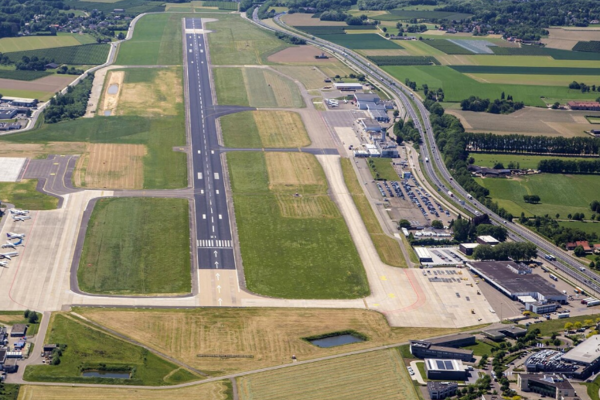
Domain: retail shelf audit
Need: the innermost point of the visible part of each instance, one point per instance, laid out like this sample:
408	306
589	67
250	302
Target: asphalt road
213	228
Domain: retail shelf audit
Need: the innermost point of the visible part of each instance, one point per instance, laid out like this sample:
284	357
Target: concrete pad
10	168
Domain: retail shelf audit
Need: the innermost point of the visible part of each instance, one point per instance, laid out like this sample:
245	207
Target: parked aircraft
16	211
21	218
15	235
9	244
9	256
3	263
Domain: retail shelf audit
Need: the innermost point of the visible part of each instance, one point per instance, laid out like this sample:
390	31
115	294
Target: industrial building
362	99
424	255
445	348
441	390
467	248
553	386
448	369
19	102
517	282
8	113
369	125
348	86
513	332
18	330
489	240
580	362
378	112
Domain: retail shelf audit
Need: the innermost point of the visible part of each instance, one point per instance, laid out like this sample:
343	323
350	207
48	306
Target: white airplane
9	256
3	264
21	218
16	211
9	244
15	235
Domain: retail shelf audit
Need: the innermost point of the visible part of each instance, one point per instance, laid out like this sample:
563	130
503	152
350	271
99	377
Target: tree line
531	198
502	106
558	234
556	166
517	251
70	105
516	143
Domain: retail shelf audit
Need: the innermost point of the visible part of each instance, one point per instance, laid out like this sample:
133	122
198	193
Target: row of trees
558	234
531	198
71	104
468	230
32	64
290	39
518	251
595	206
558	166
516	143
582	86
503	106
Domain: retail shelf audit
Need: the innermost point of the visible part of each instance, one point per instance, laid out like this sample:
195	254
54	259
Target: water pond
336	340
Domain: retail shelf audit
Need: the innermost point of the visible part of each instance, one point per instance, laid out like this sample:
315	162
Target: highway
565	263
213	228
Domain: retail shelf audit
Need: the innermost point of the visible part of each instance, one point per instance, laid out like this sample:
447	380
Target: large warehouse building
441	370
446	347
580	362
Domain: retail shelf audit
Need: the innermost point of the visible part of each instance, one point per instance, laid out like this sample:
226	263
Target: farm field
88	54
163	167
256	87
542	80
277	129
310	77
506	70
90	348
41	89
294	242
10	44
566	39
388	249
302	19
533	61
132	6
24	195
448	47
268	334
525	161
126	250
114	166
404	60
156	41
374	375
458	86
527	121
17	75
560	194
220	390
238	42
589	227
361	41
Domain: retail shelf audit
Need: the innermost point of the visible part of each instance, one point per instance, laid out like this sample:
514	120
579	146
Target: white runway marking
214	243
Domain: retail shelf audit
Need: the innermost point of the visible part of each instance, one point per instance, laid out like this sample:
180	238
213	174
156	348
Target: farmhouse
51	66
584	105
348	86
583	243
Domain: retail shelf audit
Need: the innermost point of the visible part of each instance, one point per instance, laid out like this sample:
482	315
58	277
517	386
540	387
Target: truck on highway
549	257
592	303
469	197
554	278
426	159
450	194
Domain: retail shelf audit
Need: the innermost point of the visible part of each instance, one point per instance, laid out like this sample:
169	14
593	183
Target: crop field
541	80
374	375
458	86
132	6
23	195
294	242
277	129
22	75
208	391
114	166
566	39
41	89
23	43
591	46
593	119
534	61
404	60
310	77
255	87
525	161
447	46
156	41
388	249
492	69
271	335
126	250
221	5
88	54
560	194
589	227
163	168
322	30
302	19
362	41
408	14
237	42
91	348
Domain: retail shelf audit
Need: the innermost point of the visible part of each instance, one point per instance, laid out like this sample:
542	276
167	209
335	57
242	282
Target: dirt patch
289	170
113	166
300	54
281	129
158	98
50	84
565	39
8	149
112	89
300	19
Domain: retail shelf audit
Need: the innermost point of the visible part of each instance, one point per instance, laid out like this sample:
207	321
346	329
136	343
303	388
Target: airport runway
213	228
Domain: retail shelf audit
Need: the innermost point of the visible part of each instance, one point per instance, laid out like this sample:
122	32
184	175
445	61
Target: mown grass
593	388
163	168
24	195
480	348
137	246
23	43
589	227
557	325
291	257
230	86
90	54
9	391
525	161
91	348
383	167
388	249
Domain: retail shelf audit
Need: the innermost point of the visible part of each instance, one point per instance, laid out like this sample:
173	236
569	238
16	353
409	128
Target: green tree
437	224
579	252
404	223
33	317
577	325
568	326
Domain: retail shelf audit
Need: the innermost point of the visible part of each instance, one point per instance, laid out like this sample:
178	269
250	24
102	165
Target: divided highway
565	263
213	228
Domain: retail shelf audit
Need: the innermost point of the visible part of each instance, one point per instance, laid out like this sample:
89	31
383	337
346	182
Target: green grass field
130	245
557	325
238	42
447	47
525	161
23	43
458	86
24	195
480	348
163	168
91	348
91	54
562	194
589	227
508	70
362	41
294	256
22	75
383	167
156	41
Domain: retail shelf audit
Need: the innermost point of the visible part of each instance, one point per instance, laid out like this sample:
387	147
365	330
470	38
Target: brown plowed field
111	166
50	84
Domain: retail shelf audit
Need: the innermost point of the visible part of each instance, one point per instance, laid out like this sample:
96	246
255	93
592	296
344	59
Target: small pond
106	374
113	89
106	113
336	340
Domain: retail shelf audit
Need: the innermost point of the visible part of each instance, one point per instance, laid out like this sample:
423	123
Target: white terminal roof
527	299
355	85
586	352
422	252
488	239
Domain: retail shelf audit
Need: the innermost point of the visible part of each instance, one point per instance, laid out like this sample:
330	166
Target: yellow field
565	39
206	391
36	42
8	149
374	375
271	336
113	166
281	129
335	69
282	89
159	97
310	77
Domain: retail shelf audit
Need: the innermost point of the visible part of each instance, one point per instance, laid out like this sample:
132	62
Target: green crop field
458	86
238	42
22	75
412	14
163	168
362	41
156	41
404	60
221	5
559	194
126	249
107	6
322	30
556	54
589	227
447	47
42	42
93	349
529	61
525	161
591	46
90	54
23	194
492	69
292	246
